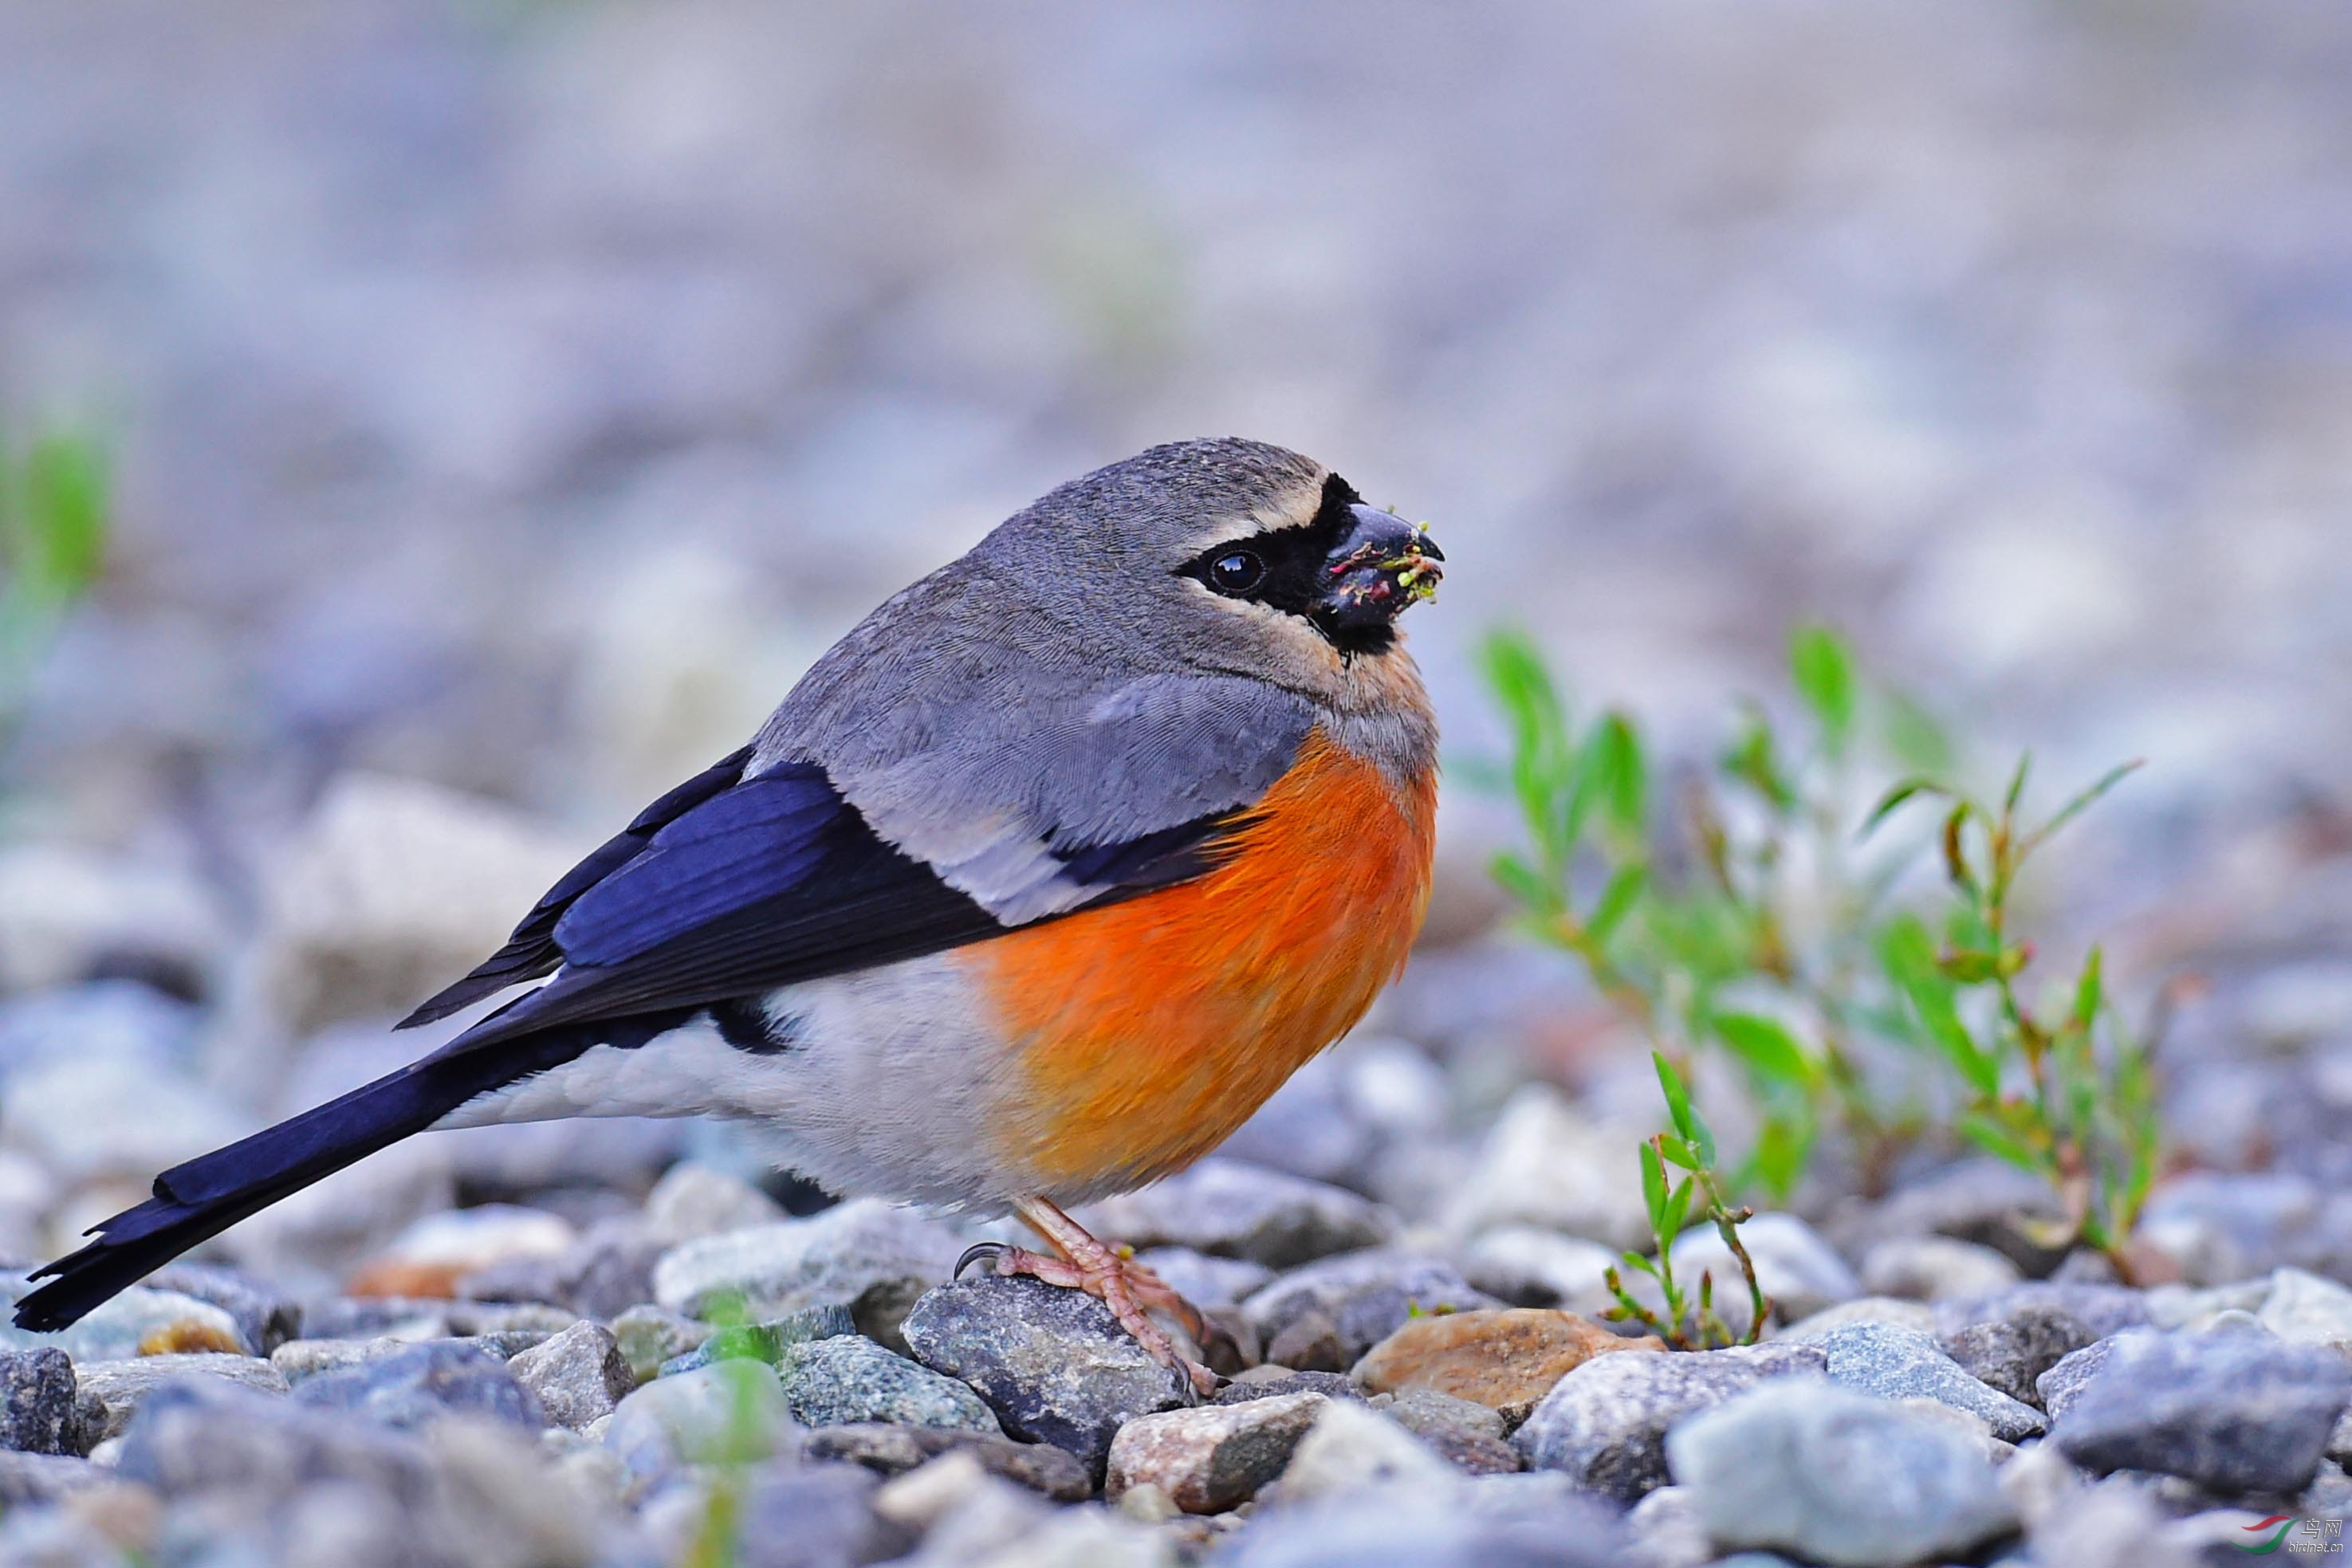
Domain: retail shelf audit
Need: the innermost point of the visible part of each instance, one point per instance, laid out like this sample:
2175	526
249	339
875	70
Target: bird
1038	884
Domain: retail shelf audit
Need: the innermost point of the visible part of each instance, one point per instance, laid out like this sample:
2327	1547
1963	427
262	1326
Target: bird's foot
1132	1290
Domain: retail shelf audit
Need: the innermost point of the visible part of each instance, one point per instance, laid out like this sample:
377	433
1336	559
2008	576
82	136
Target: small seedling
1751	923
1687	1323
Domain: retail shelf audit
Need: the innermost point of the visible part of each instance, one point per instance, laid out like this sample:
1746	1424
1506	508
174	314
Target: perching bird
1035	887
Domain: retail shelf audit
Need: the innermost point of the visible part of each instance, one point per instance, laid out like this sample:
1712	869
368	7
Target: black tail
199	1199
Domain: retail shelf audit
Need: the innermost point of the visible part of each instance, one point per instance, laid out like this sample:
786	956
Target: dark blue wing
532	950
754	885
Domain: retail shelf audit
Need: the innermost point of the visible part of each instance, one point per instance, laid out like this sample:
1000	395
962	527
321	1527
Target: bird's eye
1235	571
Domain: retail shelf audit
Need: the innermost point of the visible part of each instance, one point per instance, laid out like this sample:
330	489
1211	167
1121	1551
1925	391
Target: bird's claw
992	1251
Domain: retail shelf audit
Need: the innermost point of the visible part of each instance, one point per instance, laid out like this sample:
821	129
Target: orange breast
1147	1032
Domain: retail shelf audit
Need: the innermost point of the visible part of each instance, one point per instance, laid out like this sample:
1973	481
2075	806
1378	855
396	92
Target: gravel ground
509	400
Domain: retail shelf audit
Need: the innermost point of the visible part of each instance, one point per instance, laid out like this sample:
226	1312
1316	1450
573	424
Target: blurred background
501	403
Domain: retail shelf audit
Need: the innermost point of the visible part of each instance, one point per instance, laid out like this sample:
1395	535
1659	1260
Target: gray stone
2222	1226
577	1376
120	1387
1309	1343
1914	1315
1351	1450
1276	1382
2306	1308
1668	1532
1204	1280
1528	1267
1899	1364
730	1410
769	1341
1547	1164
37	1403
197	1437
2103	1309
1053	1364
1934	1268
892	1450
2011	1353
1211	1459
650	1336
2057	1389
695	1200
1465	1434
856	1250
2241	1413
422	1384
390	887
1229	1209
606	1271
1605	1423
265	1316
846	1378
1836	1477
1427	1411
1416	1530
815	1516
1980	1199
1366	1296
500	1502
28	1480
300	1358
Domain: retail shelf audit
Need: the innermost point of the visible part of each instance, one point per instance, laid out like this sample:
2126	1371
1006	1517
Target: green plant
1686	1322
718	1537
56	507
2073	1101
1749	922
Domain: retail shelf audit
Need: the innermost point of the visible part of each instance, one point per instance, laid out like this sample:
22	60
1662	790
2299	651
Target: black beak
1382	565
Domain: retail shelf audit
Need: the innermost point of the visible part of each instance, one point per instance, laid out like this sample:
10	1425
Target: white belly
886	1088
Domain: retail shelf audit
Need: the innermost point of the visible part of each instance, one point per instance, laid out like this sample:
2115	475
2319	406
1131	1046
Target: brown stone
1211	1457
1506	1359
182	1336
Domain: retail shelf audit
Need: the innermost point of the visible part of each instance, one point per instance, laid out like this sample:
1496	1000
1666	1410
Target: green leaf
1617	901
1896	799
1913	739
1540	764
2082	803
1654	1188
1822	668
2088	991
1679	1152
1956	849
1969	966
1678	1105
1618	775
1996	1140
1524	883
2016	791
1635	1260
1702	1139
1908	956
56	534
1767	1047
1754	761
1782	1144
1677	1211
